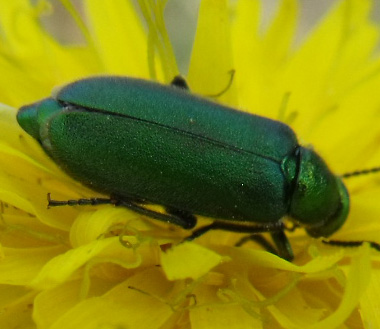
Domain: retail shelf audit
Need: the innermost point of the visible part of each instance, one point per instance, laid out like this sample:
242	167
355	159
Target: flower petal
20	266
123	306
121	45
211	59
369	303
62	267
188	260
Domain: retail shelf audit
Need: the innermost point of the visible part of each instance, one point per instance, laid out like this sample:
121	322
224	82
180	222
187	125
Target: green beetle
142	142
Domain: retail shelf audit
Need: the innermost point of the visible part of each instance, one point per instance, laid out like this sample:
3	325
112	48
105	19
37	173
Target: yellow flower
107	267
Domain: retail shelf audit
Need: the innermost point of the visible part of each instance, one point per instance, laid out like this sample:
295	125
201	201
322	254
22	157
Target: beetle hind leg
78	202
176	217
188	218
173	216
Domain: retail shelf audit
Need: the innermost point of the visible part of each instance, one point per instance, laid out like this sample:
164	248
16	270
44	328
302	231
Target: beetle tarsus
174	216
78	202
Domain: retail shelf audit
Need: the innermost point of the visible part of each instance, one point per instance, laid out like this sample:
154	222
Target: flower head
109	267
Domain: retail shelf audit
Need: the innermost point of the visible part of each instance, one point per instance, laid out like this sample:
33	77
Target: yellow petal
221	316
357	282
121	45
19	266
369	302
188	260
18	312
65	297
211	59
260	60
62	267
122	306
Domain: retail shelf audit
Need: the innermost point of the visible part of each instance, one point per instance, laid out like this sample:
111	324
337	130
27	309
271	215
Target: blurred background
181	19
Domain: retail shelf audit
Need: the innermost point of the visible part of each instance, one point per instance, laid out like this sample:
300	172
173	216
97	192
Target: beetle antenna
232	74
361	172
349	244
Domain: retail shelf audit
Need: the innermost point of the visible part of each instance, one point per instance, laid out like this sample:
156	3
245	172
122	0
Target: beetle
142	142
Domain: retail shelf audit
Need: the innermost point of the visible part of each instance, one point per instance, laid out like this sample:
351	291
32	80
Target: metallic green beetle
142	142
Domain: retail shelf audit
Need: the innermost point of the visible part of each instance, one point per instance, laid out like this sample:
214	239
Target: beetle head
320	201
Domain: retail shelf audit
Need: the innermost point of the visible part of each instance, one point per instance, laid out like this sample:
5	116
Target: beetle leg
180	82
284	249
240	228
283	245
187	217
258	238
177	218
78	202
